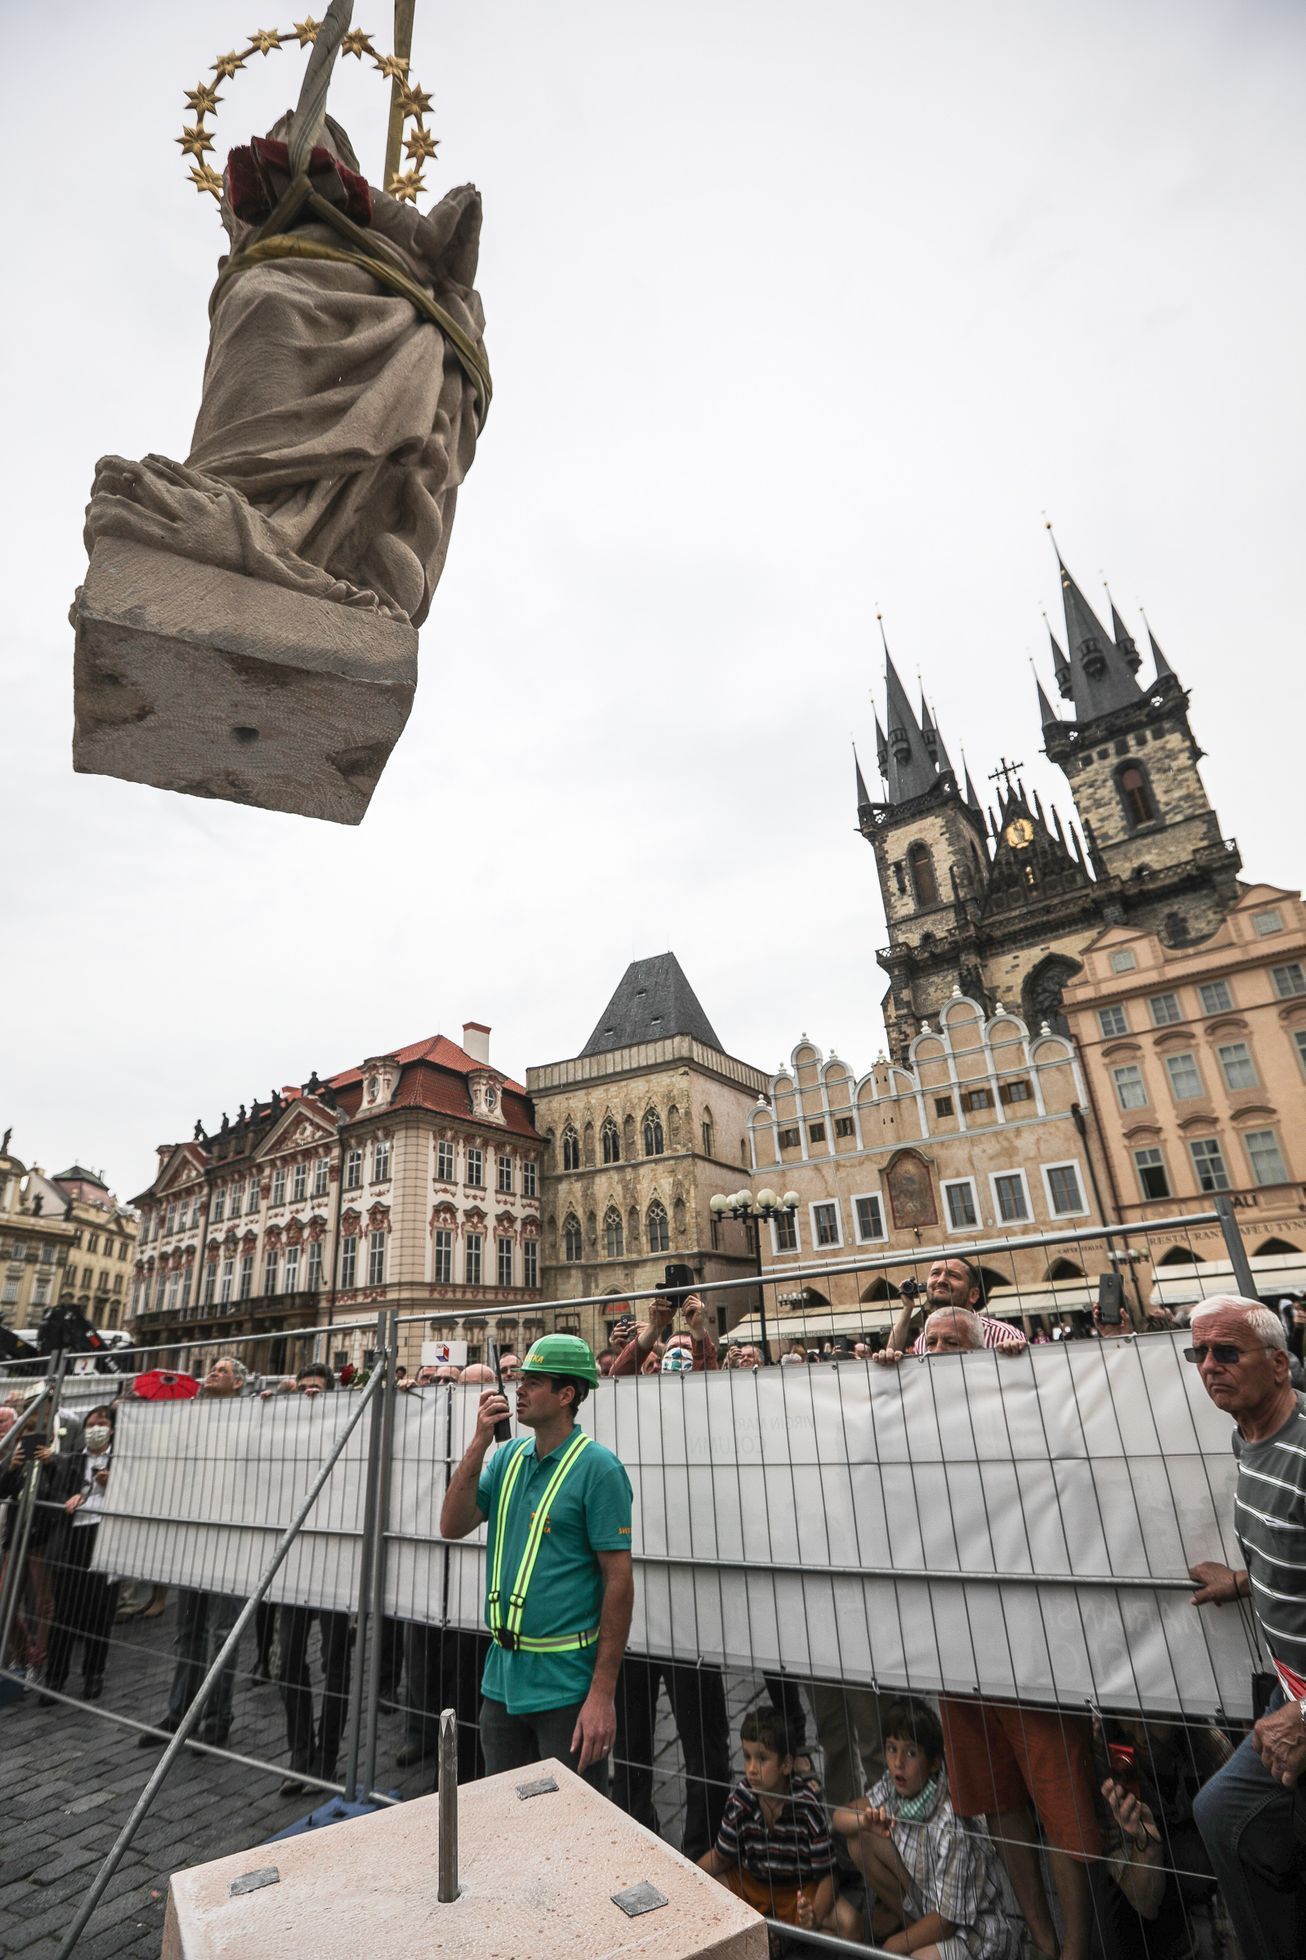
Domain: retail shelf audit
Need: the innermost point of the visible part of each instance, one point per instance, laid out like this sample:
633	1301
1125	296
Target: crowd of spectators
932	1826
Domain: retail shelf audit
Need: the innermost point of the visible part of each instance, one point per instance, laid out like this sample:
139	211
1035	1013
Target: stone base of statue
206	681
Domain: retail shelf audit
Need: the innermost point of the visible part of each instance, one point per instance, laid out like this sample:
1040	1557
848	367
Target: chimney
476	1040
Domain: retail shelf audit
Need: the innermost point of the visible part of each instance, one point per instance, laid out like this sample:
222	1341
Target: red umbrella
162	1385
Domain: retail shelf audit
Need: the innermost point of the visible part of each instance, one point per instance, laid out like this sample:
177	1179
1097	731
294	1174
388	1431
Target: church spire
1100	676
1046	712
1124	639
1060	665
911	768
863	797
968	788
1164	671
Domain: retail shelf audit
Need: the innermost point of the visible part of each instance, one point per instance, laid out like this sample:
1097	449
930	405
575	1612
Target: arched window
611	1139
1135	794
570	1149
652	1134
920	869
709	1139
659	1237
571	1246
614	1239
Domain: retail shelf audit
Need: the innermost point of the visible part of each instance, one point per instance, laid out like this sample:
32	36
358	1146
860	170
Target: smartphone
678	1282
502	1428
1110	1299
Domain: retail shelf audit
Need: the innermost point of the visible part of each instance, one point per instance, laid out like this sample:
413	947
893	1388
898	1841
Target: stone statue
247	626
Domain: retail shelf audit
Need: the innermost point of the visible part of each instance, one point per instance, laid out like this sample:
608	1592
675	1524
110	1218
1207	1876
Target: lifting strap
506	1629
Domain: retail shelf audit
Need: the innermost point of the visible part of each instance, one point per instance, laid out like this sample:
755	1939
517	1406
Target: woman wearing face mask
84	1601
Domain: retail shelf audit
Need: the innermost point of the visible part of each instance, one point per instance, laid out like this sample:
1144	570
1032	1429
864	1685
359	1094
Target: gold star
356	42
203	99
205	178
194	140
393	66
414	102
420	144
265	40
406	186
307	30
228	65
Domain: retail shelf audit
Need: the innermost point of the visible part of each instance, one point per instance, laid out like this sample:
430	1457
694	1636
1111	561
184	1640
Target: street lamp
752	1210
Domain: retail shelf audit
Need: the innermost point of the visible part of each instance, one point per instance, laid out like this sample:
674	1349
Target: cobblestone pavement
71	1777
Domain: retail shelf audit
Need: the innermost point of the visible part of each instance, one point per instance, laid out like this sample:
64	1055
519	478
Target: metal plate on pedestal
639	1898
541	1787
254	1881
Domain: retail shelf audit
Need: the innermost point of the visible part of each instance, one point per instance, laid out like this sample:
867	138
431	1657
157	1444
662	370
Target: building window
1165	1010
571	1239
816	1132
1265	1157
1289	981
505	1262
443	1256
349	1261
1065	1194
943	1105
380	1163
290	1282
920	869
1208	1162
1185	1077
784	1232
1131	1090
1135	794
1112	1020
321	1177
869	1213
226	1281
1153	1180
614	1238
825	1226
1010	1198
1017	1091
570	1150
1299	1043
1215	997
444	1161
185	1288
1237	1064
1123	960
844	1126
472	1246
530	1259
9	1297
251	1198
707	1136
313	1273
219	1210
503	1171
1267	922
278	1186
963	1204
659	1235
790	1139
270	1261
610	1139
475	1166
975	1099
299	1184
652	1134
376	1258
530	1178
245	1284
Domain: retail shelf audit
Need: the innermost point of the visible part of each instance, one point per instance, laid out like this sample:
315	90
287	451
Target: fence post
1233	1241
365	1566
16	1563
378	1523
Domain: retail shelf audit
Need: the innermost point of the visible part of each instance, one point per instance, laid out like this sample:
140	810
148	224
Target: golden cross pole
403	49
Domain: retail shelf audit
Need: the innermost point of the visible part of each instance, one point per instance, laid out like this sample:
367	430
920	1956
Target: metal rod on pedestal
448	1844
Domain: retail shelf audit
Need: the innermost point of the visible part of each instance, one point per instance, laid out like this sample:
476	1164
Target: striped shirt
796	1846
997	1333
1270	1525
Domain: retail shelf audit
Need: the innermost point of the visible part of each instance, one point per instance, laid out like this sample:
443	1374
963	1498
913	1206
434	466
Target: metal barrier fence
819	1540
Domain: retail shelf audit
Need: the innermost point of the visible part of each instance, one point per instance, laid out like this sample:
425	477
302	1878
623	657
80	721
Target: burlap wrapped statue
247	628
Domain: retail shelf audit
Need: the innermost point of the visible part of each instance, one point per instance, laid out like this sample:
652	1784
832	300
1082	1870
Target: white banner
1009	1526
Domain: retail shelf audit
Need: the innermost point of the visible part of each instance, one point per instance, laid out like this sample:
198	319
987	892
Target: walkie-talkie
503	1428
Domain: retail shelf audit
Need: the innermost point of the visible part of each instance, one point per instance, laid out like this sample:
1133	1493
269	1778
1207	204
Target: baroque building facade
641	1129
411	1181
63	1240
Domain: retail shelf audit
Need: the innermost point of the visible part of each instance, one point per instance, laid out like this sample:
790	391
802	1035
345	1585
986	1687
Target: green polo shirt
591	1513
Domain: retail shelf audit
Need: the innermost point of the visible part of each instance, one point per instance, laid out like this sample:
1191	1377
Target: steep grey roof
911	766
653	1000
1101	677
78	1174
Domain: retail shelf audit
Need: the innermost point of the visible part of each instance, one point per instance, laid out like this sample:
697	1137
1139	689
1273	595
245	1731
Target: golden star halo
414	103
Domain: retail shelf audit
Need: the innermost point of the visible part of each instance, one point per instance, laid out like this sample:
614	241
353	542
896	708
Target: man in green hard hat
559	1578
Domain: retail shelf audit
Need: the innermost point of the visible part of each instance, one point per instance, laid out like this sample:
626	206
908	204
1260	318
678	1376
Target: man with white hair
1245	1812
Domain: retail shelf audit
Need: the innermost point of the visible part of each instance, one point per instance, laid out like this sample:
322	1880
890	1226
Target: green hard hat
562	1354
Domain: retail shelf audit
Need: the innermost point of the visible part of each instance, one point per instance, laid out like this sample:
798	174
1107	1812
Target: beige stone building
1195	1057
642	1128
411	1181
979	1138
64	1239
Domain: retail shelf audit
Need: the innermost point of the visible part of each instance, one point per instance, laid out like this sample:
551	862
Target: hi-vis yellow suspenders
506	1629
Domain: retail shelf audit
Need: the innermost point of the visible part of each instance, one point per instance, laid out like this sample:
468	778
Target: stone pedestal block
536	1877
215	684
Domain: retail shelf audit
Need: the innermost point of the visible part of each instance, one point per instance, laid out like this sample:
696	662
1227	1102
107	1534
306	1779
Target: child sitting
773	1849
946	1883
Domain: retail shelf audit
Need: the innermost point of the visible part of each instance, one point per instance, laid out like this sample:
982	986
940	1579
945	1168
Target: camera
911	1289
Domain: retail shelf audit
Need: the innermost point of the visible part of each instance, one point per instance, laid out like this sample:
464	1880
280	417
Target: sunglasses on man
1224	1352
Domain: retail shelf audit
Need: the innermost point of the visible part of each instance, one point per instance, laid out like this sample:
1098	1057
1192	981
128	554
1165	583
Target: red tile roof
437	1049
433	1076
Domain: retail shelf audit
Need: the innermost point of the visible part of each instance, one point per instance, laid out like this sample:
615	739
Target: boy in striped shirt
773	1849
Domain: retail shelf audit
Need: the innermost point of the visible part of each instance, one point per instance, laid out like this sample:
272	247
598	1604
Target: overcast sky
793	313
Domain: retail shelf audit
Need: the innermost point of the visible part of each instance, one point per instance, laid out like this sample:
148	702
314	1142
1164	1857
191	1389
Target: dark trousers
517	1741
84	1605
698	1704
318	1751
444	1669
